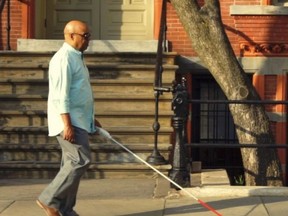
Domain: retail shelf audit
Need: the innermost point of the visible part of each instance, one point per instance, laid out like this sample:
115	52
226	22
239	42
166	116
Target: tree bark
206	31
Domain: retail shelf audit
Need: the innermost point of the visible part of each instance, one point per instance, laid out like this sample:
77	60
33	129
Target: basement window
280	2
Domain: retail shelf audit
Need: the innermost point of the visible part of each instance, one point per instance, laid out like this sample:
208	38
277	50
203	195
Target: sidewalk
147	197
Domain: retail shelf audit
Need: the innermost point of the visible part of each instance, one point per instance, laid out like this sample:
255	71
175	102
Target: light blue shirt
69	91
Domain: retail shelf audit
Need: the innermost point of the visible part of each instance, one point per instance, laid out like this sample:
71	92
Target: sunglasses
86	35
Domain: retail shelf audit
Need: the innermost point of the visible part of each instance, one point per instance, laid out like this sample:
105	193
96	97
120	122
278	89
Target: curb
235	191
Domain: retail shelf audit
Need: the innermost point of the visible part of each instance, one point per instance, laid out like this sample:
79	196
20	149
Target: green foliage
239	180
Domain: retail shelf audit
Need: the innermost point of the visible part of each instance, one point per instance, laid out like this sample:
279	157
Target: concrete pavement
147	197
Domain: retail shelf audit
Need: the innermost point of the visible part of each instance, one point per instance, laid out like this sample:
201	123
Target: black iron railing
8	28
180	171
156	157
180	168
2	4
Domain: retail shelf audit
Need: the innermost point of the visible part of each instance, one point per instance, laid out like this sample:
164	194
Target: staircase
124	104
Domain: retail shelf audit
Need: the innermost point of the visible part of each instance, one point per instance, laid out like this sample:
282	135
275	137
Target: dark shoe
48	210
72	213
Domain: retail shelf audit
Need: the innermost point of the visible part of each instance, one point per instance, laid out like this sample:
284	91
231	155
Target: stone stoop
211	178
124	102
105	46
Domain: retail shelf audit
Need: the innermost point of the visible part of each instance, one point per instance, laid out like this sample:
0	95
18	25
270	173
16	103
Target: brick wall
180	43
15	23
249	35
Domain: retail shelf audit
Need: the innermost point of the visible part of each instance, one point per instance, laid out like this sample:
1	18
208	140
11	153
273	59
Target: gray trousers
62	191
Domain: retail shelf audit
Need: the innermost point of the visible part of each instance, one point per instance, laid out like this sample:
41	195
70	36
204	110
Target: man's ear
71	36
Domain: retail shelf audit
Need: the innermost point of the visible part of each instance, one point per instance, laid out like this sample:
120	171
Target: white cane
107	135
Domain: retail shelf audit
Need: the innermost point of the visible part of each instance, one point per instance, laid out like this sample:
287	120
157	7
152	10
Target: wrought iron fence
180	173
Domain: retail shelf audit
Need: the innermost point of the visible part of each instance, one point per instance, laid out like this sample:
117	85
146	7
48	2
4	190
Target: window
280	2
213	124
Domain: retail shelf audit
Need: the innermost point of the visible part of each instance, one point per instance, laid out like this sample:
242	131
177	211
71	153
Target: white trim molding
242	10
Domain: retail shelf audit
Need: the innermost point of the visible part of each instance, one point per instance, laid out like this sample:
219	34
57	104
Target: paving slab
116	207
146	197
92	207
276	205
233	191
224	206
23	208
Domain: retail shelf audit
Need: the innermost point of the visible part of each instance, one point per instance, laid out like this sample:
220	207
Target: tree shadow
261	179
242	206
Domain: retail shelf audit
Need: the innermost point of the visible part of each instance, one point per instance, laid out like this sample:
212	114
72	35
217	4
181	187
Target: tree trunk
206	32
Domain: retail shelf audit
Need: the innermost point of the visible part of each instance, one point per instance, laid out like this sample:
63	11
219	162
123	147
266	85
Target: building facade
257	30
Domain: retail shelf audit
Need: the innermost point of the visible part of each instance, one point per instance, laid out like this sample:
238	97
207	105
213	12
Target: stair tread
96	97
98	81
93	146
96	165
96	65
132	128
21	65
107	113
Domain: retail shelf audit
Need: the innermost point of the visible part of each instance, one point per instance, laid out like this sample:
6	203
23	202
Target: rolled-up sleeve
63	86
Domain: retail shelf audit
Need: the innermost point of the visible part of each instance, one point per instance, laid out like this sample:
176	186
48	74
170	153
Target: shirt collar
70	48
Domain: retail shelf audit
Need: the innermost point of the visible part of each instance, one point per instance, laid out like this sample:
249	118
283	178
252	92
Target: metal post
156	157
286	158
2	4
8	26
179	172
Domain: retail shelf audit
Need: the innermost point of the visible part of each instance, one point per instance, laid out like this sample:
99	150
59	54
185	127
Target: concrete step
44	170
128	134
103	46
11	71
103	104
41	59
105	152
102	73
100	89
38	118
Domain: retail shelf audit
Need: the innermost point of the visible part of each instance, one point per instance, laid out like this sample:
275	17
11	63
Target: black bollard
179	172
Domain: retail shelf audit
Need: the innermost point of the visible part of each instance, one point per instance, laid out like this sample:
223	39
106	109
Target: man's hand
68	133
97	123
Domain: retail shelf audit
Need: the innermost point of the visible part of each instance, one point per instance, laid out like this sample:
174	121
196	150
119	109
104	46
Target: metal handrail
156	157
2	4
230	145
284	102
8	47
159	58
8	28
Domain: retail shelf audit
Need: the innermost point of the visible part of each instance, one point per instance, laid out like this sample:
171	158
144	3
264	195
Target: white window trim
258	10
276	2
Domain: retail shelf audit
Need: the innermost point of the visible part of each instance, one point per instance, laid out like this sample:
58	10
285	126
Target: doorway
108	19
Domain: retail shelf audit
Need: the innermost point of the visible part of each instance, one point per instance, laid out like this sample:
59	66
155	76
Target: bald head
74	26
74	34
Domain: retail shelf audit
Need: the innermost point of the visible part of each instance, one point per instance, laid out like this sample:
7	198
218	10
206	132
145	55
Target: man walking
70	119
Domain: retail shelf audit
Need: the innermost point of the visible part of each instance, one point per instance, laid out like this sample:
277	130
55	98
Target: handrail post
180	172
286	161
156	157
2	4
8	47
